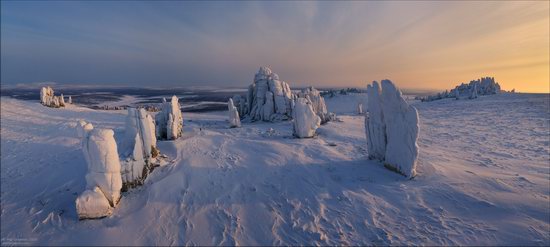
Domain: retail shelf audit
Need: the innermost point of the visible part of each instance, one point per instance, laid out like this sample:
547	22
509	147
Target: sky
418	45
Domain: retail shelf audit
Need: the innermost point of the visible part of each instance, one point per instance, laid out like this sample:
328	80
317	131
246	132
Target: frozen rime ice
48	98
169	120
392	128
103	174
483	86
305	119
268	98
234	120
318	103
137	147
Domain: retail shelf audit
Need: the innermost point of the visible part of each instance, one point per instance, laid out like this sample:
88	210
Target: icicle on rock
392	128
268	98
306	121
103	178
169	120
138	148
234	120
318	104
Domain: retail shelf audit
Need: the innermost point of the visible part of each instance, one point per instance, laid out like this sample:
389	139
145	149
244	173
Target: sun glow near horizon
418	45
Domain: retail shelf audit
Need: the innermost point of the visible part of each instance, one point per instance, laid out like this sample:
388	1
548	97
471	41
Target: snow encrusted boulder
392	128
169	120
103	171
138	148
234	119
48	98
268	98
306	121
318	103
93	204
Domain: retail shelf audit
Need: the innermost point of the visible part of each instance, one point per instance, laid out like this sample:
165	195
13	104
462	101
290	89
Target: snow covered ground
483	179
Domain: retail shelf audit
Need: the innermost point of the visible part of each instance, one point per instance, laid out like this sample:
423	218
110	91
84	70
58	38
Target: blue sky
146	43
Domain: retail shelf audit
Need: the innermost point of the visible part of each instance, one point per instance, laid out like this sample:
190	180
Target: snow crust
256	185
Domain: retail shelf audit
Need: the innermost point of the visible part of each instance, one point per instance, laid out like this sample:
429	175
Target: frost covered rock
241	105
70	100
318	103
268	98
392	128
103	178
305	119
374	123
360	108
482	86
234	119
93	204
169	120
138	147
48	98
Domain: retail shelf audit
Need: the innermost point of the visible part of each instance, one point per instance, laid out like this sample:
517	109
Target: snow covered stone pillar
103	178
360	108
392	128
138	147
374	123
70	100
234	119
306	121
169	121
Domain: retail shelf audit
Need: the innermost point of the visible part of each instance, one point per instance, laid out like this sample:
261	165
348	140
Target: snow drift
305	119
169	120
392	128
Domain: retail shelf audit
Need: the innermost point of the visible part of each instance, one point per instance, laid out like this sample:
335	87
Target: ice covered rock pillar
306	121
234	119
318	103
268	99
138	147
169	120
103	178
392	128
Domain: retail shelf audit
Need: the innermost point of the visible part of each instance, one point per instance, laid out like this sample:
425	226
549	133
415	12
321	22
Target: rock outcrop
318	104
268	98
48	98
306	120
169	120
483	86
392	128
